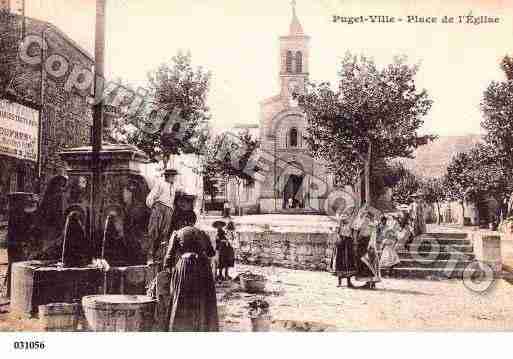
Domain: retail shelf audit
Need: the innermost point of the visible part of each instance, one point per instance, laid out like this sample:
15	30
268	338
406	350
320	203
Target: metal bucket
59	317
119	313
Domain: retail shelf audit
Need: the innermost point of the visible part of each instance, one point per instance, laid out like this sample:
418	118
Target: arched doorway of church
293	178
292	192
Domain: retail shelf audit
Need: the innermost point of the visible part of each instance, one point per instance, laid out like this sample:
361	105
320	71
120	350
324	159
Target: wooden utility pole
97	132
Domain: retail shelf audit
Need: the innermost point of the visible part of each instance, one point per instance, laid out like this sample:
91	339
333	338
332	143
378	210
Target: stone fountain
124	190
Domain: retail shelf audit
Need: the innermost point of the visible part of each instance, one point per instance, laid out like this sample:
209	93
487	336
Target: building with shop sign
38	116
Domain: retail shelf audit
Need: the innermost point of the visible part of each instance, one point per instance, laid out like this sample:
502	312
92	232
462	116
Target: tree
404	184
228	155
373	114
459	180
178	88
497	109
474	174
434	193
507	67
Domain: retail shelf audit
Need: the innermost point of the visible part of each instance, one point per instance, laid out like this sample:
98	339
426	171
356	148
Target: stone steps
427	273
446	235
436	264
442	241
435	256
429	247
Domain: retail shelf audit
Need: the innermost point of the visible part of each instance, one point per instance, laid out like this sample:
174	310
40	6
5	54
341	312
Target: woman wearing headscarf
343	258
193	302
49	223
367	260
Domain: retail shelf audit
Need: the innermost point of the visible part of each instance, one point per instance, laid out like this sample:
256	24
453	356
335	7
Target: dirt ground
310	301
397	304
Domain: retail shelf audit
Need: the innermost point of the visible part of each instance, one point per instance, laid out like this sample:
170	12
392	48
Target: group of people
191	260
368	244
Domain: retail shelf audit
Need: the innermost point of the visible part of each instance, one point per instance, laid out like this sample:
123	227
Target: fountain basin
36	283
119	313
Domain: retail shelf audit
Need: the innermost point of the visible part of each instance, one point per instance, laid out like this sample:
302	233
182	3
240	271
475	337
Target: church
294	181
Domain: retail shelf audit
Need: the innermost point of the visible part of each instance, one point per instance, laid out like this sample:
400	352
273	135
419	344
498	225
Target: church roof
295	26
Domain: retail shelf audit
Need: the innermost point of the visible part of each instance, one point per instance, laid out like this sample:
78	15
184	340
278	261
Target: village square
330	204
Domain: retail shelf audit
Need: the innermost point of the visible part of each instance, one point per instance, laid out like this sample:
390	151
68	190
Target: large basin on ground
119	313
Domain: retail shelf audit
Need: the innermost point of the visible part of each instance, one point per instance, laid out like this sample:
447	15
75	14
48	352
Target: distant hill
432	159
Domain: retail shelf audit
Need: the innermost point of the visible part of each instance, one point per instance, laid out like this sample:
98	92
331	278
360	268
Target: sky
238	41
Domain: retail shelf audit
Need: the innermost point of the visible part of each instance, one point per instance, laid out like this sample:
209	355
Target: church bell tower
294	55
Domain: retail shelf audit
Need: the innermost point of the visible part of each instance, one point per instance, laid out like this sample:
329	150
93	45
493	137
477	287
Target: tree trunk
165	160
367	175
438	214
462	212
238	196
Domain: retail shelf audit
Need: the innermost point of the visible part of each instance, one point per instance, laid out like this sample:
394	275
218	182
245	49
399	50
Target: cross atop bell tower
294	56
295	26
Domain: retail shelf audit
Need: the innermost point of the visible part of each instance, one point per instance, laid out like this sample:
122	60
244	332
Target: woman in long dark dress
48	231
367	260
193	302
343	259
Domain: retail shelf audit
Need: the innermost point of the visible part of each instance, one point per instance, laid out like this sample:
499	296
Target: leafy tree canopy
369	105
175	87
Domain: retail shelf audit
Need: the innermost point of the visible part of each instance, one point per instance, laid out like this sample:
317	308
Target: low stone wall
308	251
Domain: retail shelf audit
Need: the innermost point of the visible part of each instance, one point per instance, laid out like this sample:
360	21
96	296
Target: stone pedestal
507	251
123	191
487	249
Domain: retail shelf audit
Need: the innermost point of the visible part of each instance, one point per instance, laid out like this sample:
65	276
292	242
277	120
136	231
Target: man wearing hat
161	201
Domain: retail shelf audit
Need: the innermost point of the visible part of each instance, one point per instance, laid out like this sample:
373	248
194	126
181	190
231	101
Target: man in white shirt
161	201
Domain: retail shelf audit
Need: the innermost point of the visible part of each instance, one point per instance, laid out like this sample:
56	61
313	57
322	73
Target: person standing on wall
161	201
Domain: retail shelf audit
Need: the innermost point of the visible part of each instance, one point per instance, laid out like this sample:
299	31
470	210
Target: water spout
76	250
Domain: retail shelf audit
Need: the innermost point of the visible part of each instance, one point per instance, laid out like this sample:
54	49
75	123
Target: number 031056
29	345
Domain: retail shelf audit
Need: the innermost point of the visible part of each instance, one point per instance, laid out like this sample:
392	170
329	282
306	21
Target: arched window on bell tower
288	62
299	62
293	137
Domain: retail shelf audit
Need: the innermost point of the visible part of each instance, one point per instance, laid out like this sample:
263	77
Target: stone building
294	177
61	117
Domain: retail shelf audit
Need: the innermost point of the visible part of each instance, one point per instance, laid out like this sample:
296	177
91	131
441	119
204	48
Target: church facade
294	181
